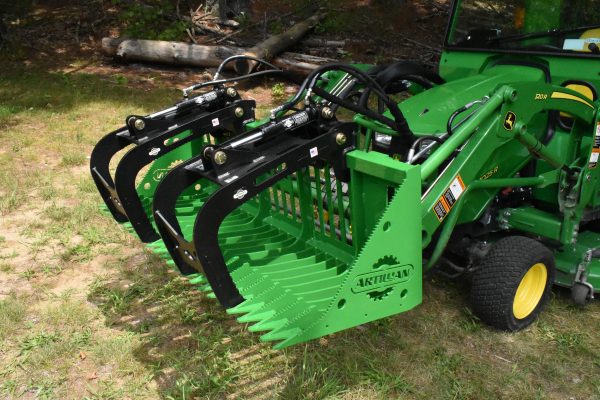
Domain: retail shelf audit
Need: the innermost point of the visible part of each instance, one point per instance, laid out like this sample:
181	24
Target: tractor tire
513	283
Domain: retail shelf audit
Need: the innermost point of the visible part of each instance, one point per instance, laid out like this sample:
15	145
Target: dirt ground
87	312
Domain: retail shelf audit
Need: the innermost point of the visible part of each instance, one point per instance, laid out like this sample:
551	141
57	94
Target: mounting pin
231	92
139	124
327	113
220	157
341	139
239	112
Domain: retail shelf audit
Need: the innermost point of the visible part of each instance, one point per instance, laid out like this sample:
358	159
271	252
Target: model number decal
489	174
541	96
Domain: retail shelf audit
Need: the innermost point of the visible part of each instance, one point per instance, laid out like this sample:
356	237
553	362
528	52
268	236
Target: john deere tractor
328	213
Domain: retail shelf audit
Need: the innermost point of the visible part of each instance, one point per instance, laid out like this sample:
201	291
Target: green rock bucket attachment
168	137
300	244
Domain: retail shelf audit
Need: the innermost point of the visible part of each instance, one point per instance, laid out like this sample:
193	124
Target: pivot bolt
139	124
239	112
220	157
327	113
341	139
231	92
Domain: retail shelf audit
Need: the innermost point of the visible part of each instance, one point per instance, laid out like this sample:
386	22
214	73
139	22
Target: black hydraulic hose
416	143
353	107
246	57
239	79
423	138
401	125
292	102
468	106
453	117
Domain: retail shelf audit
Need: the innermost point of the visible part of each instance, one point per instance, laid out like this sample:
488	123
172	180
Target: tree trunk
276	44
178	53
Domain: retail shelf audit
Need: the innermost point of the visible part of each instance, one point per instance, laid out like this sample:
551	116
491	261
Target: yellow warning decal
449	199
567	96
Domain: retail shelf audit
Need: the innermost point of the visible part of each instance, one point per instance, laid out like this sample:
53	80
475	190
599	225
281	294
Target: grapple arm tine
165	217
227	119
100	158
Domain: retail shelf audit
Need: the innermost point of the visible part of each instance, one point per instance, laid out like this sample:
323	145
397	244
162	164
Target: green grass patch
73	159
12	312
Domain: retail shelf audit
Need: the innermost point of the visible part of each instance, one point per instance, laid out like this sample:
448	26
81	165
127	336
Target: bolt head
139	124
327	113
239	112
231	92
220	157
341	139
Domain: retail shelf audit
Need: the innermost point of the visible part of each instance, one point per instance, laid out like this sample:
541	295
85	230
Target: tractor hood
428	112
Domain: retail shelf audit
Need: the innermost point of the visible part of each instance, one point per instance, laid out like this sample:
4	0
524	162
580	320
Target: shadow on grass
194	348
25	89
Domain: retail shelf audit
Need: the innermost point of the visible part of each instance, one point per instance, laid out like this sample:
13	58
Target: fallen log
179	53
276	44
176	53
323	43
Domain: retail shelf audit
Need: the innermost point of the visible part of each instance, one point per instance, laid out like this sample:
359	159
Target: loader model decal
380	278
509	121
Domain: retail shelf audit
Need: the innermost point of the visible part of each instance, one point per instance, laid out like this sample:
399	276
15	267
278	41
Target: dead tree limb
276	44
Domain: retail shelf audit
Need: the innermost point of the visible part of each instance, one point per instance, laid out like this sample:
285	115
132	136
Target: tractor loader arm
497	140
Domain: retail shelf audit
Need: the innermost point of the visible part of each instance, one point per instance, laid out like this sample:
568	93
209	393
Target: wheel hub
530	291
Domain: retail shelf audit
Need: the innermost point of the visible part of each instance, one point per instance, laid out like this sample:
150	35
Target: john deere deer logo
509	121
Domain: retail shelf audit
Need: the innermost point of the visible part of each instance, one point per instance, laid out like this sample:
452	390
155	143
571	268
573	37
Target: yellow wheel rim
530	291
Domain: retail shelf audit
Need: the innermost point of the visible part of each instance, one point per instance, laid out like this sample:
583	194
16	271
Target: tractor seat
592	40
587	89
588	42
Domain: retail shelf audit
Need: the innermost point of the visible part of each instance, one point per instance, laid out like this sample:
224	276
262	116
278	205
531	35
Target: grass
91	314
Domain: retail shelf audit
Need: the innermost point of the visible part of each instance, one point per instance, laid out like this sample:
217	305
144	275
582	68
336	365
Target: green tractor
316	220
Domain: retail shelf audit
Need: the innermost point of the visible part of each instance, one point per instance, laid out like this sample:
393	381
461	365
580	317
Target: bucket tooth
256	316
247	306
278	335
267	325
269	308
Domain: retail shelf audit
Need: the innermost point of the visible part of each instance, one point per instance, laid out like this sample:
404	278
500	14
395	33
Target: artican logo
387	272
